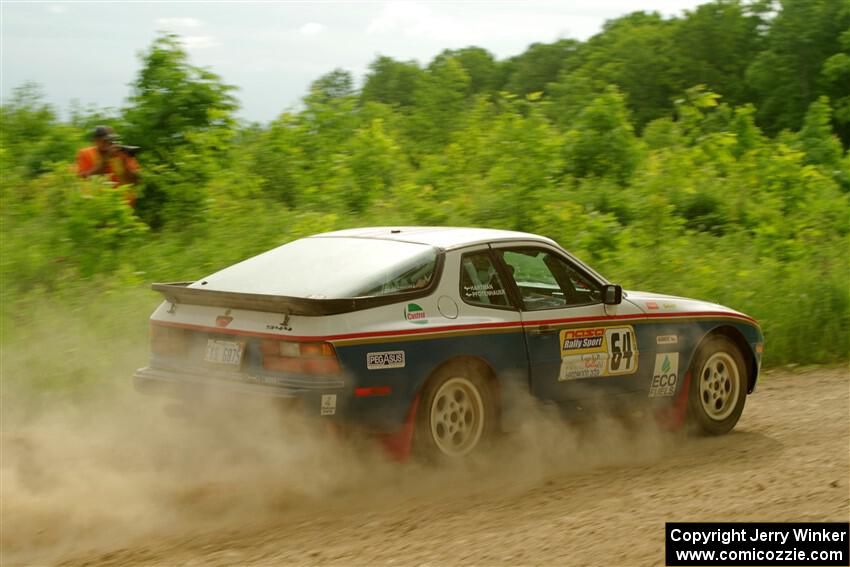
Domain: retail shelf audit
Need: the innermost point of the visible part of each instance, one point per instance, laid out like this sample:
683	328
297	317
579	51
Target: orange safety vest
87	158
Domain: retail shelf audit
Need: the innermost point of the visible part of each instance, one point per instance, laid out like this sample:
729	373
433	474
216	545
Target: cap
104	132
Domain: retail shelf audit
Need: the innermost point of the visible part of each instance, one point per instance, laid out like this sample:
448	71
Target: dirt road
549	496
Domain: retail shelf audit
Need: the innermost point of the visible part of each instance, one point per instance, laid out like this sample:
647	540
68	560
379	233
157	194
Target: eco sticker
665	376
415	314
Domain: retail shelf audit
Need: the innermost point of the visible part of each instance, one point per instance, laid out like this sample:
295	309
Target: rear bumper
325	395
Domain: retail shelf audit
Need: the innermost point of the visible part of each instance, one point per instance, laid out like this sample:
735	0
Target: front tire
718	388
457	414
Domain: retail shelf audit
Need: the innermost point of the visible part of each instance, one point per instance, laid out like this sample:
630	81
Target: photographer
109	157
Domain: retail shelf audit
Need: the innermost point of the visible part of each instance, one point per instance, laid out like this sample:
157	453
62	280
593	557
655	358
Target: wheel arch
737	337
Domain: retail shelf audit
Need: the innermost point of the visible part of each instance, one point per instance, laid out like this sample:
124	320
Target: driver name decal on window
480	282
597	351
481	290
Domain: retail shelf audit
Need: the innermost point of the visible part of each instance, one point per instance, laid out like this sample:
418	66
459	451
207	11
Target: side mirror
612	294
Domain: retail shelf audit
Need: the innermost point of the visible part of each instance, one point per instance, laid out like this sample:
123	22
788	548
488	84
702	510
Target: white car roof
441	237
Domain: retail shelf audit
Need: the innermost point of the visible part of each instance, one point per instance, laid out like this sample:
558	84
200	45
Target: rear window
331	268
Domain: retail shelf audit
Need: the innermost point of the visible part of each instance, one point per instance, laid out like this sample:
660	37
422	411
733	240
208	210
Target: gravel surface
554	494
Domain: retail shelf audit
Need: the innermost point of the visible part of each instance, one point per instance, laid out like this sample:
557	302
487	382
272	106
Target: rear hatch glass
331	268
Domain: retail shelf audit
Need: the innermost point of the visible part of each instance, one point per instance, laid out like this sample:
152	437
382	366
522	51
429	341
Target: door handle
543	330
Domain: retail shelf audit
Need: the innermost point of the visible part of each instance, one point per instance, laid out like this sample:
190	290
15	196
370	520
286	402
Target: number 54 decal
598	351
622	350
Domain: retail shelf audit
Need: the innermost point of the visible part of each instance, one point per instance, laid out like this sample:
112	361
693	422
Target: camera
130	150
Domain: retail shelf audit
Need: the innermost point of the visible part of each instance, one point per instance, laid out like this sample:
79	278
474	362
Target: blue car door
577	346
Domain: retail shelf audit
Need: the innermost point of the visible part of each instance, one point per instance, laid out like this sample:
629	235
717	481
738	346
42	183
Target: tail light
167	341
300	358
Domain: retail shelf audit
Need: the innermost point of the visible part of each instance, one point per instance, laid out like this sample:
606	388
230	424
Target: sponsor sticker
614	349
578	366
388	359
415	314
665	376
582	341
651	305
667	339
223	320
282	326
328	406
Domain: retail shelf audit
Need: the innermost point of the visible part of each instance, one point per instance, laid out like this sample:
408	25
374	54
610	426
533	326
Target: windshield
330	268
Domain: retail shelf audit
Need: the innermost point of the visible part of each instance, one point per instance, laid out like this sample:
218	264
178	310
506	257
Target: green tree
374	163
635	53
480	67
32	136
714	45
278	159
172	99
821	146
182	117
441	102
602	142
835	75
816	138
339	83
540	65
392	82
570	94
521	152
786	76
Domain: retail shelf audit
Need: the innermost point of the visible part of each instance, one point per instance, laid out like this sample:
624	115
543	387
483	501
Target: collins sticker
578	366
614	351
388	359
665	376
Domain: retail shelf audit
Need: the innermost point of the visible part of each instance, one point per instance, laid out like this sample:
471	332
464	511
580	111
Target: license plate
224	352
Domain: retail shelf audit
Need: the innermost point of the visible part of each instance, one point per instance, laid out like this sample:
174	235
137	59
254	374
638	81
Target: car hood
659	303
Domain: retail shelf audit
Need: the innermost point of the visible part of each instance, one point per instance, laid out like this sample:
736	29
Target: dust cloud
114	468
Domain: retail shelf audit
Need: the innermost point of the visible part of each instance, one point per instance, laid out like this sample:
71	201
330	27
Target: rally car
430	336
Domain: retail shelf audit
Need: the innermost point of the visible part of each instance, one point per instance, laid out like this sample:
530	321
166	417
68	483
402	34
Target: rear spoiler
178	293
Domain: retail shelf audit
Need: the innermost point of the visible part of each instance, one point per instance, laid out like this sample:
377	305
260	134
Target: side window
480	283
545	281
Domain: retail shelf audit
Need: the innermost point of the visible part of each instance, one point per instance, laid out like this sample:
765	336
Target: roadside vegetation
702	156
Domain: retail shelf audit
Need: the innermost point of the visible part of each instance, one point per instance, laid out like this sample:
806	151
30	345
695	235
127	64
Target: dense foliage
699	156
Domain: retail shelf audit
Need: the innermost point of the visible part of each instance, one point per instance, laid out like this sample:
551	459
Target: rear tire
718	388
456	415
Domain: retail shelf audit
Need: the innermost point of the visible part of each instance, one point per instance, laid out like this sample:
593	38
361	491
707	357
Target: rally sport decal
598	351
